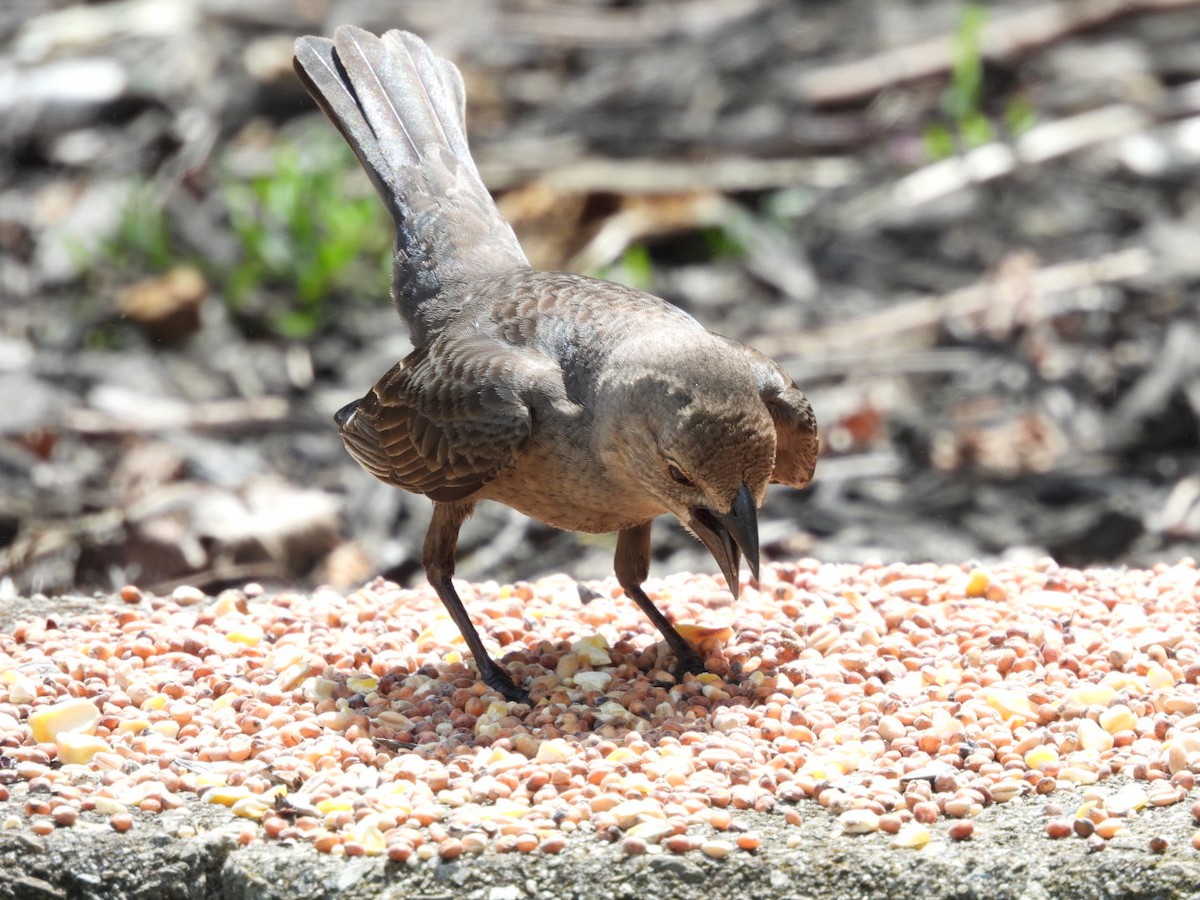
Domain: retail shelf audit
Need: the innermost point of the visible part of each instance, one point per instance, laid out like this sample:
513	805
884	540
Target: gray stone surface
1009	858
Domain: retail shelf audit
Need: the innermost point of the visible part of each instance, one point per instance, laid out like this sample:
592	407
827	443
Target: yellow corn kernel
77	747
71	715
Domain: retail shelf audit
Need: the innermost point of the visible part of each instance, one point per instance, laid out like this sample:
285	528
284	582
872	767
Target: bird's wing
448	418
796	440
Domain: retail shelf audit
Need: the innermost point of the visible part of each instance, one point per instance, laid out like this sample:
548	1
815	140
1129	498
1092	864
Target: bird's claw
499	680
688	663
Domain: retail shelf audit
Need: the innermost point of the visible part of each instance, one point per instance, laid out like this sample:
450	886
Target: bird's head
700	441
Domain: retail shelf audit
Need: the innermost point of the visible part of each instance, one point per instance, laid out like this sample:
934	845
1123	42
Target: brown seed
1084	827
890	823
553	845
326	842
793	817
1058	828
682	843
961	830
450	848
1158	844
1095	843
634	846
749	841
65	815
121	822
274	826
1109	828
926	812
1196	840
400	851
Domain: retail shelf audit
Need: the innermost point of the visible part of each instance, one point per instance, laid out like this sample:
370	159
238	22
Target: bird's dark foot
499	680
689	663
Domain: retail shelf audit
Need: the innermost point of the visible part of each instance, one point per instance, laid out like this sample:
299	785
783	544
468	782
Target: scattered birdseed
895	696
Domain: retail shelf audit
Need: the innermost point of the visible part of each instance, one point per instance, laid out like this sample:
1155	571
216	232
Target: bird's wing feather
448	418
796	440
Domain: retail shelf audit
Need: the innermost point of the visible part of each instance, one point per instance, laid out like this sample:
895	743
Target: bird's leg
441	542
632	564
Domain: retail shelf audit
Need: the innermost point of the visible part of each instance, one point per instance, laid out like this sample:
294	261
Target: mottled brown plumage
579	402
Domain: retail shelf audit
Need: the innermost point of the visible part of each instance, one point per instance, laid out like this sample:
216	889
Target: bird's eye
678	477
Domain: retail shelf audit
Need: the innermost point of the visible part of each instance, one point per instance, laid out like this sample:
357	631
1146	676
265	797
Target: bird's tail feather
402	110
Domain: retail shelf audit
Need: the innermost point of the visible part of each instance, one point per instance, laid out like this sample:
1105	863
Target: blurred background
971	231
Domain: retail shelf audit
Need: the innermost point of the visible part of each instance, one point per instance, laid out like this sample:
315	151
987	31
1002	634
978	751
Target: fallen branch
998	296
1003	38
162	414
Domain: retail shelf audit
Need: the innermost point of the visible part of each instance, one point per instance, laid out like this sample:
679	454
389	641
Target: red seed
749	841
634	846
682	843
961	830
65	815
121	822
1058	828
926	812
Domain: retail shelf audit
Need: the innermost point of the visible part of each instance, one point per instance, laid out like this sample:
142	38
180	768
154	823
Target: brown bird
582	403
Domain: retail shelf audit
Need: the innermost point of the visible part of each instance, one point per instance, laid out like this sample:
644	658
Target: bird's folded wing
445	422
796	441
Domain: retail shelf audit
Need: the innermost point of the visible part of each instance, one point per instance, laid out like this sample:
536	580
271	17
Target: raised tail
402	110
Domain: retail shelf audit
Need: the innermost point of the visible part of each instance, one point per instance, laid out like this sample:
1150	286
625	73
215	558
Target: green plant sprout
966	126
306	233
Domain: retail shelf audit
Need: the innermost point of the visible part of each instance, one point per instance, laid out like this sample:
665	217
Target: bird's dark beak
724	534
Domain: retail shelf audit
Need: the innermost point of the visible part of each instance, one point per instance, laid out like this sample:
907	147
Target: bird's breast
560	481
